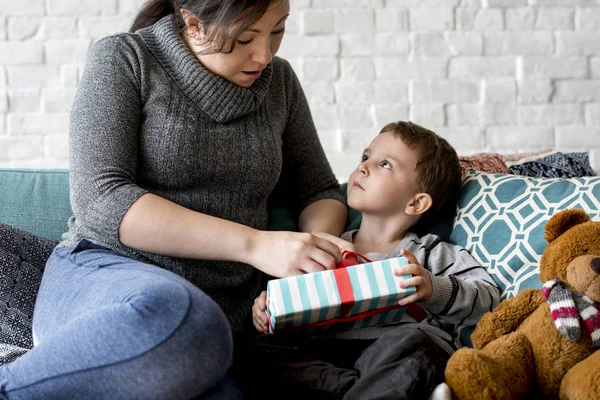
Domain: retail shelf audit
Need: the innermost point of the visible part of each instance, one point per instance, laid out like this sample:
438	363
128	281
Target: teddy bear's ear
563	221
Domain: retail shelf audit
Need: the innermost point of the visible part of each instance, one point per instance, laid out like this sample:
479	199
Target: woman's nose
262	54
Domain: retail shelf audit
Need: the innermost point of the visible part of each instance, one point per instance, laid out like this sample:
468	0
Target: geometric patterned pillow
22	260
501	220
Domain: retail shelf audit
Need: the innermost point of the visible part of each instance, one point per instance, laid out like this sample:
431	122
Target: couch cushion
501	221
36	201
22	260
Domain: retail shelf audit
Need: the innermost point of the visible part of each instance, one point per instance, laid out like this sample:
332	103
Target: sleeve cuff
107	213
440	294
333	194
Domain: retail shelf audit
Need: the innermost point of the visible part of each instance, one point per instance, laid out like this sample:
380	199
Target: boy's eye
244	42
386	164
363	158
278	32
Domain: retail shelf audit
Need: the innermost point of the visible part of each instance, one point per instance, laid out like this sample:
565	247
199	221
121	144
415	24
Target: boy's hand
420	279
259	318
341	243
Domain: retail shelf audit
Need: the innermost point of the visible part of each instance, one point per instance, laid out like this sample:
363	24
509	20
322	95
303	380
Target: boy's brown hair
438	169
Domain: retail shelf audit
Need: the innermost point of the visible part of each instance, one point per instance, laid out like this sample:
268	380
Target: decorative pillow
485	162
9	353
501	220
22	260
521	156
554	165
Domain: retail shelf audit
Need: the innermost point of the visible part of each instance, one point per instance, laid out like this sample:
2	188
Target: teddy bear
541	343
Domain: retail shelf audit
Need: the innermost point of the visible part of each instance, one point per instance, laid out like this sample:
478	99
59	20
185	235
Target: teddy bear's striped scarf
567	306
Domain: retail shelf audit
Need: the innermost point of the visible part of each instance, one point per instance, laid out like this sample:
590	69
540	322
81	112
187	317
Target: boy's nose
362	168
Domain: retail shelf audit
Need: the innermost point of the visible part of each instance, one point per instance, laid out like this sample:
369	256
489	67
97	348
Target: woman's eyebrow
278	22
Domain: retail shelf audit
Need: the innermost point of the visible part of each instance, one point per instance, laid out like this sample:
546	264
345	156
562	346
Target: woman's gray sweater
149	118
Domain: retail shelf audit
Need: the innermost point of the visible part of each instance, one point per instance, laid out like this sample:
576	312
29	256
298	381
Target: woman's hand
341	243
420	279
259	318
283	254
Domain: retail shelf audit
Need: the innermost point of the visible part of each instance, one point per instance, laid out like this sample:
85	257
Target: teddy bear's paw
502	370
582	382
471	375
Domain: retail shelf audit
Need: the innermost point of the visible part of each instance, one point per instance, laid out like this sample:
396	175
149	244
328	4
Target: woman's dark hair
217	17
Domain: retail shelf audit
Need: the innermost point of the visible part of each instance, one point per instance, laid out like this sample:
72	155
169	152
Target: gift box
349	298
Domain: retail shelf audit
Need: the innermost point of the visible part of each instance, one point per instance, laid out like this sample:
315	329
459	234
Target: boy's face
385	181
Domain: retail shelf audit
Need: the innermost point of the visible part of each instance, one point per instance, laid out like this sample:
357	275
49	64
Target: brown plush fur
518	351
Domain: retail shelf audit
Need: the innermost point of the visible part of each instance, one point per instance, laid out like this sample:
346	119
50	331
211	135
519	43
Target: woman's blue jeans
109	327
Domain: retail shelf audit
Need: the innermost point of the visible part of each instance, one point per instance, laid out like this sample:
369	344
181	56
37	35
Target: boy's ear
420	203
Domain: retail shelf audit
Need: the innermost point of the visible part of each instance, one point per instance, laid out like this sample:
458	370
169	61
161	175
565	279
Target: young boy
407	174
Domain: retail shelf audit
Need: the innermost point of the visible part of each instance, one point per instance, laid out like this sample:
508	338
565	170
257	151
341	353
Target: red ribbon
350	258
342	279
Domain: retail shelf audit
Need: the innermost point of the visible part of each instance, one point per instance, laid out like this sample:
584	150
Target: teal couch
500	220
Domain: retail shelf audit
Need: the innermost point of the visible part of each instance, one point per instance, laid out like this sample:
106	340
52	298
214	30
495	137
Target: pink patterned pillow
492	163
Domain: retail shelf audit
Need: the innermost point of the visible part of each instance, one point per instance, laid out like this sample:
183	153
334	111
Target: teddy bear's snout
583	275
595	265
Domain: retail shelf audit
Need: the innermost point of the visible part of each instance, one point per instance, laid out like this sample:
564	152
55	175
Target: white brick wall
489	75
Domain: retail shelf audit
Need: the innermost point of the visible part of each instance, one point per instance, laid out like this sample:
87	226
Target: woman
180	133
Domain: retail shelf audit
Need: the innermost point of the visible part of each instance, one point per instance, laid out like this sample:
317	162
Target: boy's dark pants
402	364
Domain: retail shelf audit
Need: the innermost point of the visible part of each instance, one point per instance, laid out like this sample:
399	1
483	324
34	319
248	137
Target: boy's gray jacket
462	290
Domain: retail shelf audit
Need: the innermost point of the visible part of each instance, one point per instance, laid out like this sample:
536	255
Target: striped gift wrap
349	298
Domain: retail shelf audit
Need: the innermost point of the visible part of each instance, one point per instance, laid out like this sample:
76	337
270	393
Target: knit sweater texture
148	117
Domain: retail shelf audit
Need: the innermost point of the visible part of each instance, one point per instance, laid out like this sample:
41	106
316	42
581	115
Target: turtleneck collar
220	99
